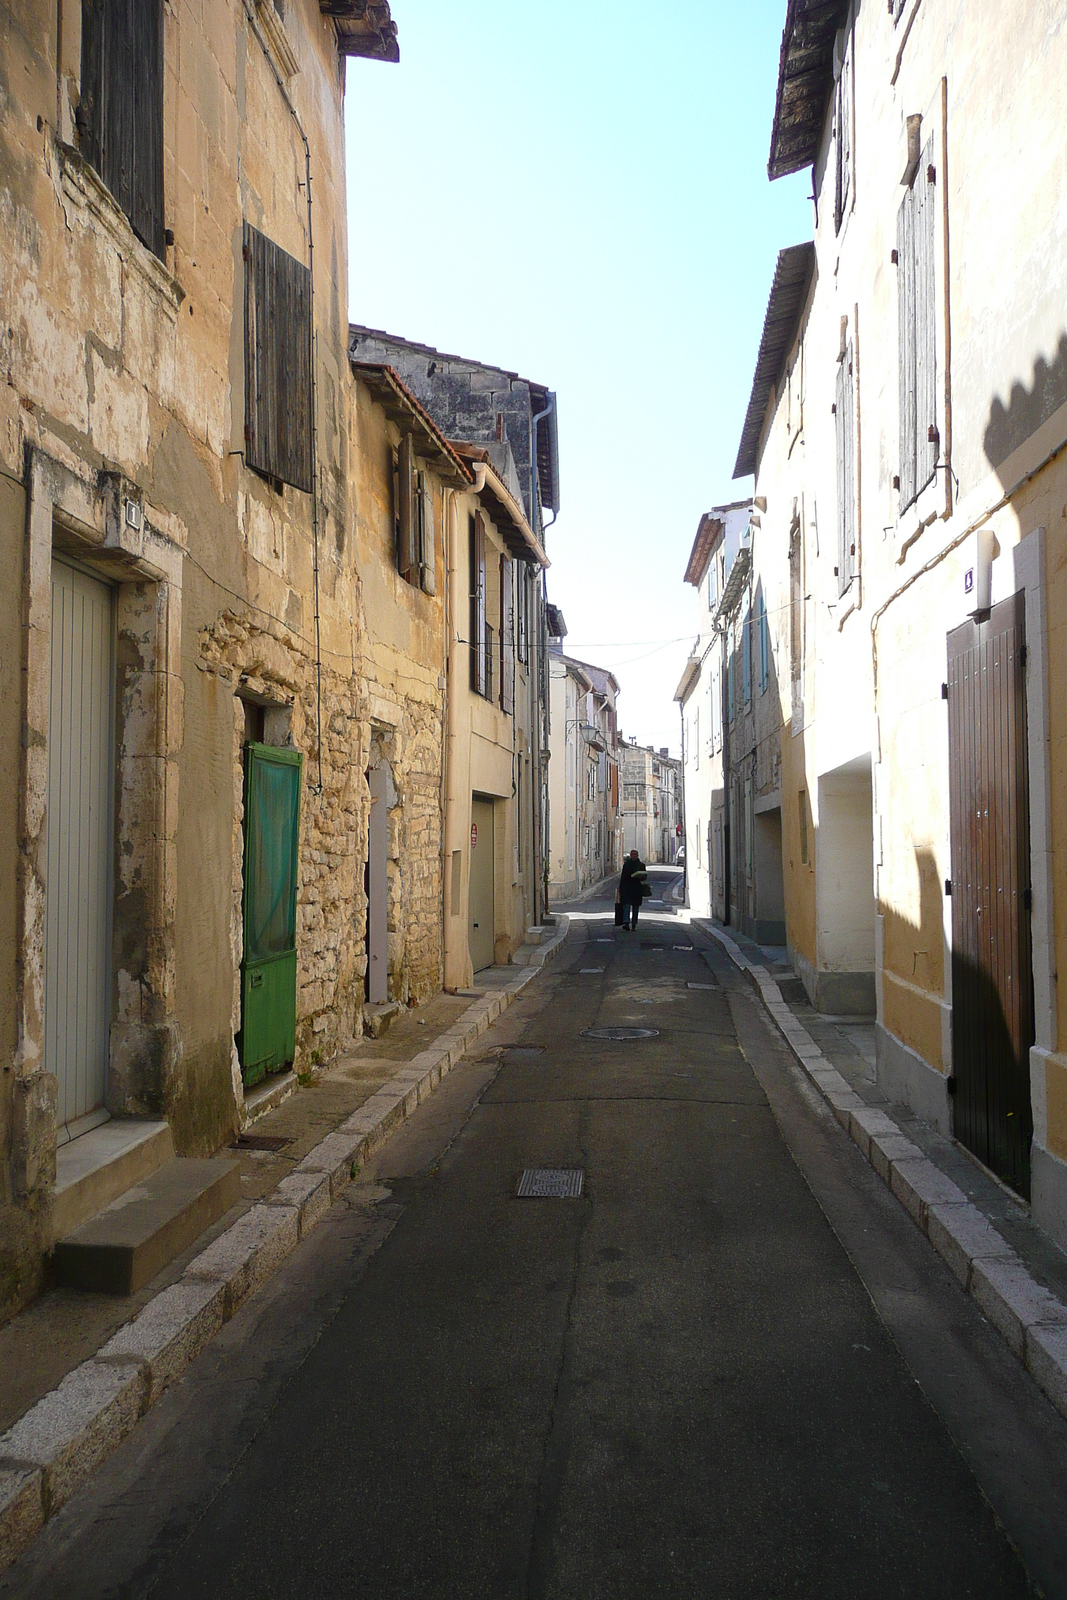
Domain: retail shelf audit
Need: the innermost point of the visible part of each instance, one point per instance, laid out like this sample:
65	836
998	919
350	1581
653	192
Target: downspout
452	703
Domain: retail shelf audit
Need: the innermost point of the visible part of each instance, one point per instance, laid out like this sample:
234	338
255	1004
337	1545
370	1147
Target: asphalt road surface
731	1368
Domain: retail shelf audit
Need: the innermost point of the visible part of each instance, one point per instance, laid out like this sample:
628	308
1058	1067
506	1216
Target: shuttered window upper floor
120	112
278	358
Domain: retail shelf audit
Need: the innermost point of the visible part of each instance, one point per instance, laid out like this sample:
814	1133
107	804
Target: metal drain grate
550	1183
620	1033
702	985
259	1141
582	970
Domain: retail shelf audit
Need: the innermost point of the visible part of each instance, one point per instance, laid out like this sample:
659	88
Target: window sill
85	189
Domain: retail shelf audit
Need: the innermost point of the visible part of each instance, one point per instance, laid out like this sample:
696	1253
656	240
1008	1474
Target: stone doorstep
61	1439
96	1169
123	1247
1031	1320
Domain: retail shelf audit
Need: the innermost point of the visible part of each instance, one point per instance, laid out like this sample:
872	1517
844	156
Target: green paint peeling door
268	972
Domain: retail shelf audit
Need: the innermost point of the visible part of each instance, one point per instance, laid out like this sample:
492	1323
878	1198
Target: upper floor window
120	113
478	630
507	636
917	328
277	362
845	409
416	555
842	126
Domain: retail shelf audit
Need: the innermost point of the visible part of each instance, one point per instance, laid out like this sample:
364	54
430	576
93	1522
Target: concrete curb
56	1445
1032	1322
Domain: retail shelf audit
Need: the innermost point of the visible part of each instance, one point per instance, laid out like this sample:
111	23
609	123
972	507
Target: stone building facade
911	482
175	520
584	793
650	802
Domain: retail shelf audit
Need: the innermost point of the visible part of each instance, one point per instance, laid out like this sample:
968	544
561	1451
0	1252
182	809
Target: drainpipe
450	832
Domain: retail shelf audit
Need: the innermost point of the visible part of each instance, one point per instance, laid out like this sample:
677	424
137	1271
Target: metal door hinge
1028	899
948	886
944	691
950	1083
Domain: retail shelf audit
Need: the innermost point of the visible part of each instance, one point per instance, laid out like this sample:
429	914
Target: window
844	418
764	644
746	659
802	809
842	127
730	688
507	637
696	737
917	363
796	602
277	362
522	586
120	117
416	549
477	630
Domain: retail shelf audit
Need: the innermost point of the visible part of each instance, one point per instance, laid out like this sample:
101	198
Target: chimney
663	750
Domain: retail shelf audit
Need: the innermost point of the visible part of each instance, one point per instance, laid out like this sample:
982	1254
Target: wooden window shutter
427	541
523	587
121	111
906	346
507	636
925	192
407	511
846	473
278	421
479	665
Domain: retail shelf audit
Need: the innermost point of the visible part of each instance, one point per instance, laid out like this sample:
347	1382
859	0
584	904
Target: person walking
633	887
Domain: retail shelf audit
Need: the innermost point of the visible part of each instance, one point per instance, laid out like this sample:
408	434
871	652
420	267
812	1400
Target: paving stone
919	1185
1013	1301
885	1148
333	1155
170	1331
309	1192
1046	1357
959	1234
67	1432
870	1120
247	1253
21	1510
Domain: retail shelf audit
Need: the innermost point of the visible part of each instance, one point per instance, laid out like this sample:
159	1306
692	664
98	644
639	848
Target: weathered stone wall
124	380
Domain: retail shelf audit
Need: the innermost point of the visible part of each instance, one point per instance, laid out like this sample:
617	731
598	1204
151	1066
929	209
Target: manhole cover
524	1052
259	1141
550	1183
620	1033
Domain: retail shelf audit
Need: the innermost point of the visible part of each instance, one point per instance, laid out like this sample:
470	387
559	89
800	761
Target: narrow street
702	1377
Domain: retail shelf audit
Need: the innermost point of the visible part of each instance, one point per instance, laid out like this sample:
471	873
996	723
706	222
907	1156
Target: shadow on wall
1011	425
989	1111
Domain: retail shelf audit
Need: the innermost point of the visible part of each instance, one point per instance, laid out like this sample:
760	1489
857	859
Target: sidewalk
76	1373
984	1232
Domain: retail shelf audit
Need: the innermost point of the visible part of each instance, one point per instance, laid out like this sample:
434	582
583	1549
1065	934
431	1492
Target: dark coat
633	884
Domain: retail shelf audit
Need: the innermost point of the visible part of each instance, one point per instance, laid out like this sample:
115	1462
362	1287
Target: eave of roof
789	292
364	28
601	677
359	330
502	505
805	79
690	676
401	407
735	585
709	532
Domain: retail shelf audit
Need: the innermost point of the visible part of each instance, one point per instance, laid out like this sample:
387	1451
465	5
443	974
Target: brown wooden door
989	814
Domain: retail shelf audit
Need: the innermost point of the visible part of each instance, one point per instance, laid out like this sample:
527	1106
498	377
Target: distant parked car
680	857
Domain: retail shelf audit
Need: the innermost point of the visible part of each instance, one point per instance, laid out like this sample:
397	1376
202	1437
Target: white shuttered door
79	842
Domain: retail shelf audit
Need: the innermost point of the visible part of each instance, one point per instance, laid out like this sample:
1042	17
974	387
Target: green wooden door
268	971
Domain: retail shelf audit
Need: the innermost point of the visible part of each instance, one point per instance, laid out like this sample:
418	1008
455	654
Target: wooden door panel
992	986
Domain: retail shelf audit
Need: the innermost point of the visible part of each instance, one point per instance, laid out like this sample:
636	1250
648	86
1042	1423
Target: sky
577	191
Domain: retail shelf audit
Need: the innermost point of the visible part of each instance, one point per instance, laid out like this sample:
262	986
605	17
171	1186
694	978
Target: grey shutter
507	636
407	510
427	541
122	107
846	473
925	200
278	420
906	346
523	586
478	631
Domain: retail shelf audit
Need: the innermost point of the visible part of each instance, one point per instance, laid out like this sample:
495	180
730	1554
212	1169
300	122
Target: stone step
378	1017
96	1168
121	1248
